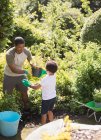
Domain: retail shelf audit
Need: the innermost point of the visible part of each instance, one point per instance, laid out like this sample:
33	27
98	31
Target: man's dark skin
19	49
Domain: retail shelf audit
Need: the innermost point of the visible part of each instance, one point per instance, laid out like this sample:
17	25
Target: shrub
92	29
60	24
72	19
10	102
88	71
24	28
84	5
97	96
6	22
2	65
35	101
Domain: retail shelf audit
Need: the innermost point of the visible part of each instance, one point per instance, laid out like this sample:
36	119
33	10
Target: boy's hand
34	66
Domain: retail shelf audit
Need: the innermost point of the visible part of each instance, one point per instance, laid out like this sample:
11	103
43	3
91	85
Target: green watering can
26	83
38	72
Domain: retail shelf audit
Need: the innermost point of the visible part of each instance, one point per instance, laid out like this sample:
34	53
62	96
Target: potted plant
97	98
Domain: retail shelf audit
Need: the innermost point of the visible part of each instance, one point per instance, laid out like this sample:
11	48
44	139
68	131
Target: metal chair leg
91	114
97	120
88	113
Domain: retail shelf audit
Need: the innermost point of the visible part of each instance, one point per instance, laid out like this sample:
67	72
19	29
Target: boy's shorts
47	105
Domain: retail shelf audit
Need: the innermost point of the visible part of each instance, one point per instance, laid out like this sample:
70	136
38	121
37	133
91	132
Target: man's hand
26	72
26	82
33	65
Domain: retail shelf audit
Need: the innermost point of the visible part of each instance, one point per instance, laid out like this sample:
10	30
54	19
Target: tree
92	28
6	22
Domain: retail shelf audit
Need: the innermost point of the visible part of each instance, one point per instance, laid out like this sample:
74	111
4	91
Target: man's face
19	48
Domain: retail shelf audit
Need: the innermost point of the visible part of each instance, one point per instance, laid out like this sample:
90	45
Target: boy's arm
36	86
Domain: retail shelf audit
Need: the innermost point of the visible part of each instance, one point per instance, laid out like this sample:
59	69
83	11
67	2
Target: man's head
19	44
51	66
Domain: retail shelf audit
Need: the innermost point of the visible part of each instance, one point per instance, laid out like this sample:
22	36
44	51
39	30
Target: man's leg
8	84
23	90
25	100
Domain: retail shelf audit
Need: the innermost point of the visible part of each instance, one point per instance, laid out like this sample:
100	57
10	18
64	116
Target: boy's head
51	66
19	44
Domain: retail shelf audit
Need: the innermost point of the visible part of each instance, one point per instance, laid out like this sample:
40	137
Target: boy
48	85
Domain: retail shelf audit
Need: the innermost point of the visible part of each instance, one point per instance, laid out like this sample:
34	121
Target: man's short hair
19	40
51	66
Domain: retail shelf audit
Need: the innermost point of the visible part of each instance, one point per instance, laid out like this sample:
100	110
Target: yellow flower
64	135
66	119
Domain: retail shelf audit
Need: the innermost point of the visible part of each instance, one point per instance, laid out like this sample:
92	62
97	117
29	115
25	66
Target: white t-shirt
48	84
17	59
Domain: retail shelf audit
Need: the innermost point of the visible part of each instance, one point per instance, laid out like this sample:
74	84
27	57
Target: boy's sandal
30	125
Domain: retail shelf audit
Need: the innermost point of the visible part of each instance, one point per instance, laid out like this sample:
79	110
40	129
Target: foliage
31	34
60	24
6	22
2	64
92	29
35	101
78	75
97	96
52	30
10	102
88	71
86	5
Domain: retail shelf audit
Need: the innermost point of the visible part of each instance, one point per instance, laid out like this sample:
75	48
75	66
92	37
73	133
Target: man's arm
15	70
29	58
10	62
36	86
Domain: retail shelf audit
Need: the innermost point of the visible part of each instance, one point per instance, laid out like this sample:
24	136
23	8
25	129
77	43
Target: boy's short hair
51	66
19	40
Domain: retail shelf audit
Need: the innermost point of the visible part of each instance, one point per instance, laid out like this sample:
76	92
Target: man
13	72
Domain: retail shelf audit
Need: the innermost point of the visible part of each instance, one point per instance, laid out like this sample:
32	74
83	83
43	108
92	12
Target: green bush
92	29
6	22
35	101
2	65
86	5
10	102
72	19
88	71
97	96
28	30
60	24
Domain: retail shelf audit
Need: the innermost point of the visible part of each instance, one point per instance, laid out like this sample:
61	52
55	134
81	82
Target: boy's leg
50	116
44	119
50	110
44	111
